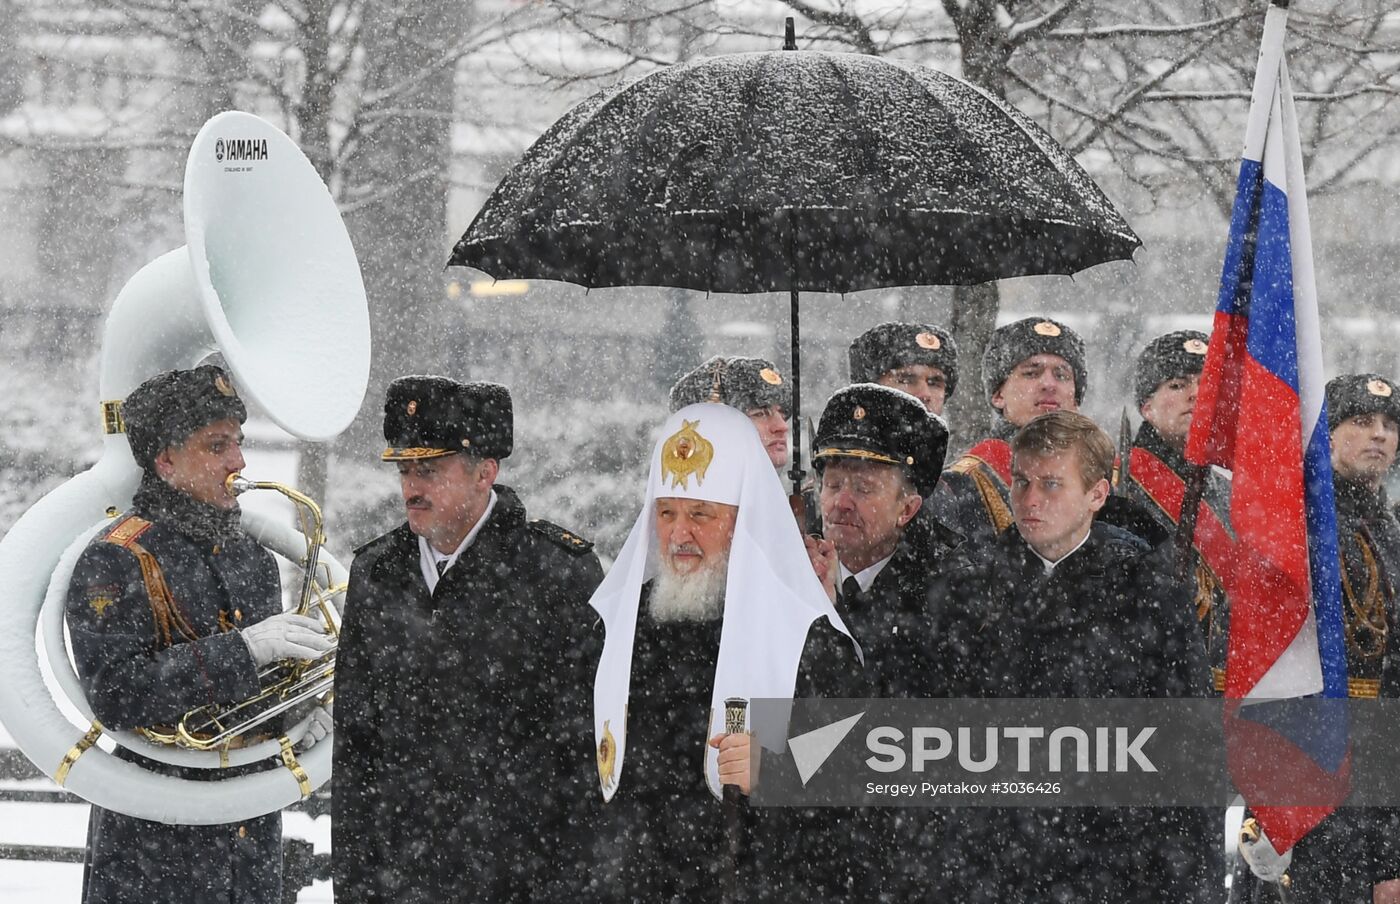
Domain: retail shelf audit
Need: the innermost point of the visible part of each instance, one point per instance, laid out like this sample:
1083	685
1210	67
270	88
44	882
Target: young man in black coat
171	608
1064	605
463	751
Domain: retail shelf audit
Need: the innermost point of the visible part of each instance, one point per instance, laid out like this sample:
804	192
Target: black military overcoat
133	680
464	743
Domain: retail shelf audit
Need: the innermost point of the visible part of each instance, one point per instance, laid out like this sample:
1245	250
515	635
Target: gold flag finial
716	395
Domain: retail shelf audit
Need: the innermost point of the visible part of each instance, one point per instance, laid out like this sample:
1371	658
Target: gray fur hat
1178	354
1015	342
889	346
1353	394
168	408
742	383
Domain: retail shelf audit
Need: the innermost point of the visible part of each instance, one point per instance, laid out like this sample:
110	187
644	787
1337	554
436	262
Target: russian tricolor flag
1261	414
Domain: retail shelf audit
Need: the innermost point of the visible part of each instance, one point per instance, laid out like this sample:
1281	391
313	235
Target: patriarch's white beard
697	596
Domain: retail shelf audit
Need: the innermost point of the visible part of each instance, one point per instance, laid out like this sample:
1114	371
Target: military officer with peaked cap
1031	367
919	358
878	453
752	385
1166	382
464	747
170	608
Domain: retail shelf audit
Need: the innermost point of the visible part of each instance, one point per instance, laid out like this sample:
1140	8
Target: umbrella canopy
788	171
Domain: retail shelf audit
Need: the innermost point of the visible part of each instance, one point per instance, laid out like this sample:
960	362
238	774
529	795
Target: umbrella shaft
796	473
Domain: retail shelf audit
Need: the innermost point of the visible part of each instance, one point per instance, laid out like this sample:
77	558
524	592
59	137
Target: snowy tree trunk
985	56
313	118
398	202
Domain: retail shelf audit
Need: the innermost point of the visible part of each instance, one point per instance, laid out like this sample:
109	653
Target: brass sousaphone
269	279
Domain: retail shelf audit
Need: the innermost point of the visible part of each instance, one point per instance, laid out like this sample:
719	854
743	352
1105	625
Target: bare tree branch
1138	31
1022	32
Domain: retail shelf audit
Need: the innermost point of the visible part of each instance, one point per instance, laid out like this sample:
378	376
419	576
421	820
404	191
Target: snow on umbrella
781	171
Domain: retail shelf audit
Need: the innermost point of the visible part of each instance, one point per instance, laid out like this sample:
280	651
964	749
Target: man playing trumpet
171	608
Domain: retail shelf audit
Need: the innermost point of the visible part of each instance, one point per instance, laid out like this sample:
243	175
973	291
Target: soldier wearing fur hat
878	453
460	681
919	358
170	608
752	385
1363	417
1167	380
1353	854
1031	367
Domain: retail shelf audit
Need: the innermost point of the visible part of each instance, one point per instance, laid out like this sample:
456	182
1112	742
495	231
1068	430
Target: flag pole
1119	477
1186	518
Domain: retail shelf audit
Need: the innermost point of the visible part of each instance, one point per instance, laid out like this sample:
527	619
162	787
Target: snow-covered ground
65	825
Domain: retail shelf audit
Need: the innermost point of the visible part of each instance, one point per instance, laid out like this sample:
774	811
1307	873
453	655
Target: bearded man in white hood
710	598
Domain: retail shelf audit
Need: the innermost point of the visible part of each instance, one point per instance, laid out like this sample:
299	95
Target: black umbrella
773	171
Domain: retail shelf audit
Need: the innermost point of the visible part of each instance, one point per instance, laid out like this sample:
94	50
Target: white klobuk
712	452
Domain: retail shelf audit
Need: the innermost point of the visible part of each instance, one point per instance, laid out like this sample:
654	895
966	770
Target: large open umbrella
773	171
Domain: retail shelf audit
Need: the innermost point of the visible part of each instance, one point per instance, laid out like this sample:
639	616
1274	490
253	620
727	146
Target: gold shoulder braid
163	607
1366	625
997	509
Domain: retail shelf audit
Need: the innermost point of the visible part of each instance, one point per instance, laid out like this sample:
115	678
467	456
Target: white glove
286	636
1256	849
319	725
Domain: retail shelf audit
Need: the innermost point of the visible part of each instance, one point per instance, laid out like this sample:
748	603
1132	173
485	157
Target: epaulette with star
557	535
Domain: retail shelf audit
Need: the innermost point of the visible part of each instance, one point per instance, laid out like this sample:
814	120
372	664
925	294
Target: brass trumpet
284	685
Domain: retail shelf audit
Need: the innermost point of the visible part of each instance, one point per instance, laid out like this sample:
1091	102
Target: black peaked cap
428	417
875	423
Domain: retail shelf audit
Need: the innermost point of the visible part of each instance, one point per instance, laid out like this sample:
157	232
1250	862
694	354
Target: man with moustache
751	385
1065	605
710	599
1353	854
1167	379
462	750
918	358
1031	367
